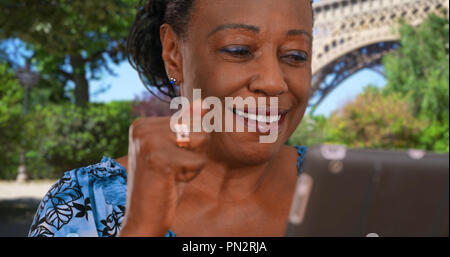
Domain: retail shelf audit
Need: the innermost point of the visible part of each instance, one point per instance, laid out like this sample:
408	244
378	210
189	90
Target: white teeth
259	118
242	114
253	117
274	118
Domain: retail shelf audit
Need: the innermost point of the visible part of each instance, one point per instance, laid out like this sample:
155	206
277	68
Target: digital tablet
361	192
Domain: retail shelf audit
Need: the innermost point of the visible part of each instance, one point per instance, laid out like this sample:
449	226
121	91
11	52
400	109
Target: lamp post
27	79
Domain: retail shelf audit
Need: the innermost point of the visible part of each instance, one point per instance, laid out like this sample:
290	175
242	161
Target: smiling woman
219	183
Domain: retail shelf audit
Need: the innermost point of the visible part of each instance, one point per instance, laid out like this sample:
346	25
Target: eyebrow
256	29
294	32
234	26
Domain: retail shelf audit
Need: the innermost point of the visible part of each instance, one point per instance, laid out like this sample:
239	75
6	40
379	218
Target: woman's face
250	48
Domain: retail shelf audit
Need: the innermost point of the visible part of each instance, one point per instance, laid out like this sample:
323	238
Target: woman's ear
171	52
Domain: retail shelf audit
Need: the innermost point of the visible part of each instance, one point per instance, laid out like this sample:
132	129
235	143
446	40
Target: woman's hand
158	170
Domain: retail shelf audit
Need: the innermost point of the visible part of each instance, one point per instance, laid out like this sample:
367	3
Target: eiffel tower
350	35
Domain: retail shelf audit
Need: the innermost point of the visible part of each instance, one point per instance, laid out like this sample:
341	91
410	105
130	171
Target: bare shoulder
123	161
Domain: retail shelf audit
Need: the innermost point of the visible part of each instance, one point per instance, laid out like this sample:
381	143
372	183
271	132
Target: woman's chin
245	149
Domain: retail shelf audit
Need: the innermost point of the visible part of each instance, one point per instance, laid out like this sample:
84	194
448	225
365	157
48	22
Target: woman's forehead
262	15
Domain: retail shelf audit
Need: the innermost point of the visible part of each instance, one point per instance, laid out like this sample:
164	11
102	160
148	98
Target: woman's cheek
225	80
300	87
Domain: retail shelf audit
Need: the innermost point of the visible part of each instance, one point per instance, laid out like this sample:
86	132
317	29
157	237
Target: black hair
144	47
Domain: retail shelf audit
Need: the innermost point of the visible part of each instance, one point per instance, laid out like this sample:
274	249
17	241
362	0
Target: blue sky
126	85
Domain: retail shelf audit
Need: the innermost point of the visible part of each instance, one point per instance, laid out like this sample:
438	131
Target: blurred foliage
411	111
61	137
48	89
311	131
419	70
11	118
373	120
72	41
65	137
420	67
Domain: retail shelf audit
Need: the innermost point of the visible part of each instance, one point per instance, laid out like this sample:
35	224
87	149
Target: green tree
71	40
311	131
49	88
67	136
11	120
373	120
419	70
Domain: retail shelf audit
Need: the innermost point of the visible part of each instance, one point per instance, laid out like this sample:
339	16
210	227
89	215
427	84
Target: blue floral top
90	202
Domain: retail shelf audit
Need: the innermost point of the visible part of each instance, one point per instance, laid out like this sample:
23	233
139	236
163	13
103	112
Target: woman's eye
237	51
296	56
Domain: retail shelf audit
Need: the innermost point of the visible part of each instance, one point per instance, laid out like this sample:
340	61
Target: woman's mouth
261	120
258	117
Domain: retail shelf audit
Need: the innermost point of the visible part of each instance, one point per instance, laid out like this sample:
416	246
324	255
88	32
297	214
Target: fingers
197	141
187	160
192	118
157	131
158	169
159	144
184	165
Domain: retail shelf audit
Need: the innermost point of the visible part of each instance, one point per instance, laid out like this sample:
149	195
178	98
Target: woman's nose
269	79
